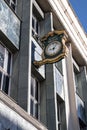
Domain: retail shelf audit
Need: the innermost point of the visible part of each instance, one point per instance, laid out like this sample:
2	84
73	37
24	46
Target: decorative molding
67	16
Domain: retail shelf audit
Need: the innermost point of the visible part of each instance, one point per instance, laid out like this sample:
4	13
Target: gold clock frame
60	56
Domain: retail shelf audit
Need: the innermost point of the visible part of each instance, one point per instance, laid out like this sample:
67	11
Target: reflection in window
5	65
34	103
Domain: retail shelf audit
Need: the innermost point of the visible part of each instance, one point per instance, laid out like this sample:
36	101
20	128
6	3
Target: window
12	3
80	105
77	80
5	65
35	26
35	98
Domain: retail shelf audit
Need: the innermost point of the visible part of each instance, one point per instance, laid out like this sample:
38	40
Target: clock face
53	48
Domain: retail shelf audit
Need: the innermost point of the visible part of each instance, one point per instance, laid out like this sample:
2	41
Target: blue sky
80	7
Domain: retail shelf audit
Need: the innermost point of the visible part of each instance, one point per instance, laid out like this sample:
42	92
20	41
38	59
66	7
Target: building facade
53	96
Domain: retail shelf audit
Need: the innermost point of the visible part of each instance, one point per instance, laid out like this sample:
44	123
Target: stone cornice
65	13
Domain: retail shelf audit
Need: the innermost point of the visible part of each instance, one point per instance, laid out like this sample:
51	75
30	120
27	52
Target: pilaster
71	113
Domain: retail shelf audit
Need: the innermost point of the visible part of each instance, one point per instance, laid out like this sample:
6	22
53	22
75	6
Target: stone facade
52	96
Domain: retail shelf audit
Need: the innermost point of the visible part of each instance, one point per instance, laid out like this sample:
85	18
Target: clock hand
53	48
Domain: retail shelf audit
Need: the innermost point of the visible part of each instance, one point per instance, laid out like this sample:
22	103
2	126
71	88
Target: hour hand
52	48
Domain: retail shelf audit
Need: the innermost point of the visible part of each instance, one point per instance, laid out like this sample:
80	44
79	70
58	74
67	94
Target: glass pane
1	59
59	118
32	86
37	27
0	78
9	63
6	60
33	32
36	111
33	51
59	126
59	66
31	106
5	86
13	6
58	113
32	22
2	53
36	91
14	1
8	1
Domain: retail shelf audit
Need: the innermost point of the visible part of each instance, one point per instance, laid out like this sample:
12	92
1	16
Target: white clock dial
53	48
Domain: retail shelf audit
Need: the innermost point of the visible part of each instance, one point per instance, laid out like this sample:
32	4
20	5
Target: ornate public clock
54	48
